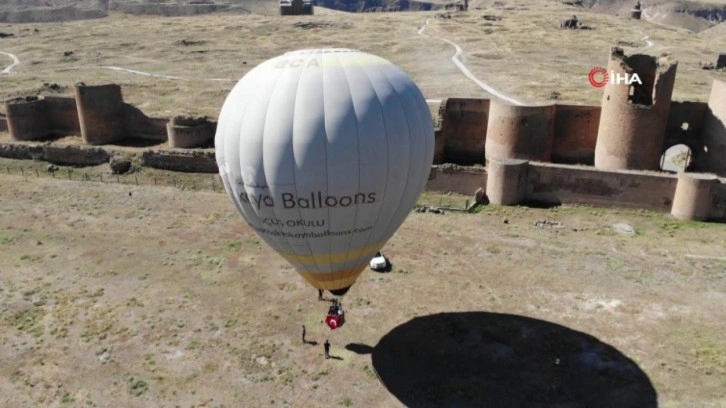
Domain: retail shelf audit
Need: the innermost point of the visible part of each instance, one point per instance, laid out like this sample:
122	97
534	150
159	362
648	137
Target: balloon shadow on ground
479	359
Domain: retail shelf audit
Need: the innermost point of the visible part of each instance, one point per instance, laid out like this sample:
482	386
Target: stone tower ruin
635	13
634	115
520	132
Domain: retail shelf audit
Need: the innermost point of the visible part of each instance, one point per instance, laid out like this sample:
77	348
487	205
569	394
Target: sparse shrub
120	164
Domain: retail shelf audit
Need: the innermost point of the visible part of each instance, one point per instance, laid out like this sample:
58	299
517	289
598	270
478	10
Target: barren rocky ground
139	295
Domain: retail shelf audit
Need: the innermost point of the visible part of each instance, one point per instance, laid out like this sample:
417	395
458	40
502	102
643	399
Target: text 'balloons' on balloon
324	152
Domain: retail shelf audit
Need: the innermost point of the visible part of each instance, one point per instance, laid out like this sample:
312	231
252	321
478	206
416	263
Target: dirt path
133	71
456	59
16	61
10	67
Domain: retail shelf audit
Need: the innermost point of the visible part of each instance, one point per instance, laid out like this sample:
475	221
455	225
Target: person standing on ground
326	345
303	334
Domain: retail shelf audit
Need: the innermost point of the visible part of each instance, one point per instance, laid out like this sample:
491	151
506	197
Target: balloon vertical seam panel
399	137
276	148
366	248
356	137
252	165
312	134
393	182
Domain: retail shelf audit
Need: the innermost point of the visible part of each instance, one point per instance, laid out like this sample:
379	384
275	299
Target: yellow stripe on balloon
339	257
333	280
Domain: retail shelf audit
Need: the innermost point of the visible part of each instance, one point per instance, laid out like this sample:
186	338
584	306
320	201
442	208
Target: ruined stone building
551	153
636	12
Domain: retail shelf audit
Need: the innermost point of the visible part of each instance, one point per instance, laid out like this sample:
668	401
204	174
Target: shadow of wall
554	184
480	359
685	125
464	124
712	157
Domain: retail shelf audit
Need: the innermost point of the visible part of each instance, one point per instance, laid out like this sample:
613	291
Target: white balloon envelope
324	153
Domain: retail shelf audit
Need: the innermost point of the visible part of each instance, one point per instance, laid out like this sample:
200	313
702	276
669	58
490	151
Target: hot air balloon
324	152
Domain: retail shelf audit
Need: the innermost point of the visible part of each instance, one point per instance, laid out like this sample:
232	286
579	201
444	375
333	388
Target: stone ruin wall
684	126
472	131
576	129
575	134
712	156
520	132
629	189
634	117
463	131
100	115
527	149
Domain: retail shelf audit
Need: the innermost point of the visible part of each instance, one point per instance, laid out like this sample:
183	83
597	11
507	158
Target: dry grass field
139	295
524	54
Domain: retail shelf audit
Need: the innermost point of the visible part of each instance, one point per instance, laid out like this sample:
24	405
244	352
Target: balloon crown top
320	51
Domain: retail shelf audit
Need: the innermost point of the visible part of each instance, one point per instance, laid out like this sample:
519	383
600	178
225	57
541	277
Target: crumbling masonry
552	153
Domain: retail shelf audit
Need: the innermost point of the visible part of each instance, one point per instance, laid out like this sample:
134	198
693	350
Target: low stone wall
180	160
27	118
540	182
46	14
21	151
513	182
575	134
685	124
585	185
78	155
75	155
464	130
